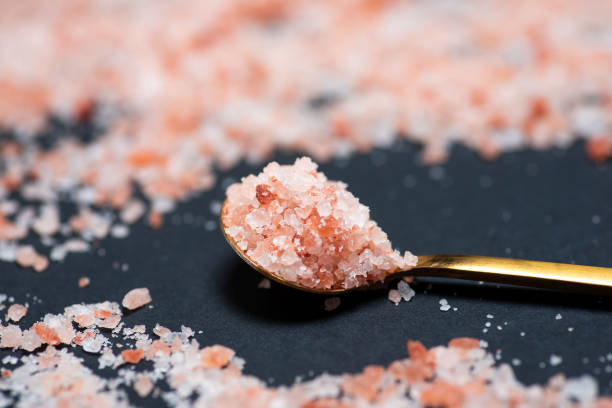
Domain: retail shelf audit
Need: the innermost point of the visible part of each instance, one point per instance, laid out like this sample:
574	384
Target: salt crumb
136	298
16	312
555	360
395	296
558	316
264	284
83	281
332	303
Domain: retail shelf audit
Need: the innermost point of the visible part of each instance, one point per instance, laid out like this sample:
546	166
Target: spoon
474	267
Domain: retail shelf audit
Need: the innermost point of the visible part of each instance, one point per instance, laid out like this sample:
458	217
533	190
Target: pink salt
16	312
83	282
143	386
136	298
10	336
294	222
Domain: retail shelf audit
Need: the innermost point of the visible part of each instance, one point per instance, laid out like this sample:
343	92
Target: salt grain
136	298
332	303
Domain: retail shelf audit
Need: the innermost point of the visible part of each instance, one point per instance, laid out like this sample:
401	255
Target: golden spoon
474	267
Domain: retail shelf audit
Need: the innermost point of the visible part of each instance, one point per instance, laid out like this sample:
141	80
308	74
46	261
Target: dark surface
534	205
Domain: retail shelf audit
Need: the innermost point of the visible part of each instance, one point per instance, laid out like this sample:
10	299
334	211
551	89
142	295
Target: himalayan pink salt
215	356
10	336
295	223
16	312
46	334
83	282
26	255
143	386
136	298
132	356
30	340
395	296
331	303
161	330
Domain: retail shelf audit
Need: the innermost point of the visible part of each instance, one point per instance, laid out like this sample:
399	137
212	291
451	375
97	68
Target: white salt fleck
499	328
489	316
120	231
445	308
595	219
522	334
443	302
570	329
558	316
405	290
210	225
516	362
332	303
555	360
488	324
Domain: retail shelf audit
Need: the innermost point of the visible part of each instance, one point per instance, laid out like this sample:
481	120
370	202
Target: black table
552	205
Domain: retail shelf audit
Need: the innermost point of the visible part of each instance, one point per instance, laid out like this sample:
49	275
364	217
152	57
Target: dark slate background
529	204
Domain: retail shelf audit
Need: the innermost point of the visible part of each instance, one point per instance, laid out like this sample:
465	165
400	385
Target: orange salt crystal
215	356
364	385
442	394
46	334
83	281
416	350
136	298
410	371
599	149
132	356
466	343
155	219
84	320
101	313
145	158
16	312
6	373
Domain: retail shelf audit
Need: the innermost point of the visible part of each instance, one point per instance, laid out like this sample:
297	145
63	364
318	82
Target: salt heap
295	223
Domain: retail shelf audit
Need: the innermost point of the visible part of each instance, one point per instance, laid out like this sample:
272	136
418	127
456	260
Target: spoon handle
513	271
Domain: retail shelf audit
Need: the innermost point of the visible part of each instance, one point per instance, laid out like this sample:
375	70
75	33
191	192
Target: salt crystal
332	303
405	290
264	284
93	344
16	312
120	231
136	298
558	316
555	360
10	336
132	211
395	296
143	386
445	307
83	282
